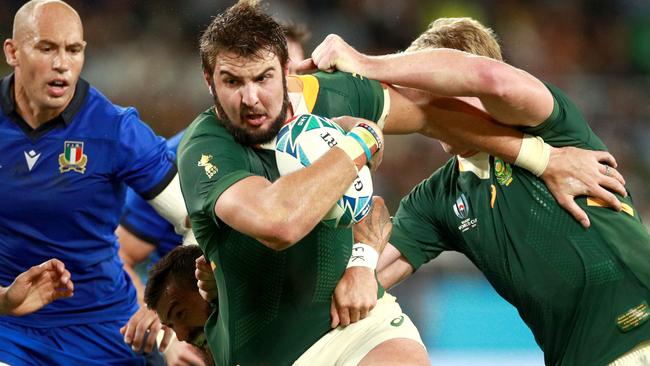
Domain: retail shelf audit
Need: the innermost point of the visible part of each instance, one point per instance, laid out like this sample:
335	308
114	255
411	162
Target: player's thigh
400	351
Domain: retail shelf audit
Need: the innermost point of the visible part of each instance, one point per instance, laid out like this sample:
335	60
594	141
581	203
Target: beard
244	136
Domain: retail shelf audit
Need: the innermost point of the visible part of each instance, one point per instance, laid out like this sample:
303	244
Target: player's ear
209	81
10	52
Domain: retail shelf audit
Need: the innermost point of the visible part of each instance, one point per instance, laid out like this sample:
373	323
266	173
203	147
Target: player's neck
34	115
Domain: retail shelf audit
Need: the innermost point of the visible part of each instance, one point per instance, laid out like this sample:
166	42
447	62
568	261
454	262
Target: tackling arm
393	268
512	96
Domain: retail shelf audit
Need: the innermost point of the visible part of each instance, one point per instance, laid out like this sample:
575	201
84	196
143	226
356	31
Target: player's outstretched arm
35	288
356	293
275	214
511	96
462	122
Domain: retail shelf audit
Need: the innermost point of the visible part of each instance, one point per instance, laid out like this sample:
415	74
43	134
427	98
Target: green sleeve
566	126
417	232
208	164
345	94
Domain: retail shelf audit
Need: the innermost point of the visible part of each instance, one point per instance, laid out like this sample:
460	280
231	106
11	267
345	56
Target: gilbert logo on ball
305	139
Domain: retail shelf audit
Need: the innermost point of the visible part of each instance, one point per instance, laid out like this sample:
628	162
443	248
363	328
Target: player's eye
264	77
231	82
74	50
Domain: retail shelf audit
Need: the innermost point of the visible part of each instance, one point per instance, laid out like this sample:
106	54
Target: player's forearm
394	273
137	283
459	124
440	71
295	203
510	95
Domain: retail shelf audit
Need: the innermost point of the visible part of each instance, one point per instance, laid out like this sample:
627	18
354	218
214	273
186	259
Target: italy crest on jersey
73	157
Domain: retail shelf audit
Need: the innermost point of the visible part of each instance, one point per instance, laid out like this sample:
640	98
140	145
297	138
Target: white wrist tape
534	154
363	255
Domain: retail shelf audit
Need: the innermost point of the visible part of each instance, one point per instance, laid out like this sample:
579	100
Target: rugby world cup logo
461	207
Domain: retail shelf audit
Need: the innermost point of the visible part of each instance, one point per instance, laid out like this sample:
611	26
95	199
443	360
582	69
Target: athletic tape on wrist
361	143
354	150
363	255
534	154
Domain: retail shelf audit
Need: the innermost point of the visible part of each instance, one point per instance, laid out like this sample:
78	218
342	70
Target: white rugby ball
305	139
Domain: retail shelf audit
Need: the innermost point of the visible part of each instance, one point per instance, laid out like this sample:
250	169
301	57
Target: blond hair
464	34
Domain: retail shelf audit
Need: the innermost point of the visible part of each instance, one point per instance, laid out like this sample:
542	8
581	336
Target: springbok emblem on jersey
210	169
73	157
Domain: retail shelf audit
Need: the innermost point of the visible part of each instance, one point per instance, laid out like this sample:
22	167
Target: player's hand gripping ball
305	139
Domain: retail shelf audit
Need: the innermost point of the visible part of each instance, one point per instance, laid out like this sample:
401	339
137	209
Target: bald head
33	13
47	55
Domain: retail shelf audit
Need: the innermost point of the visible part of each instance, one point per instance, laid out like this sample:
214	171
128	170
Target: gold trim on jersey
479	164
493	195
597	202
381	122
306	85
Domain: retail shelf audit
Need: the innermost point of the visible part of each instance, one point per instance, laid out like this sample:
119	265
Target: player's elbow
493	79
281	235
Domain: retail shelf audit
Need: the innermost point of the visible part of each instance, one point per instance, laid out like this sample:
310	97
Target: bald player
68	154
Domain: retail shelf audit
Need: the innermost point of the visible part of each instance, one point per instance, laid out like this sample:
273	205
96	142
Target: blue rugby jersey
62	188
139	218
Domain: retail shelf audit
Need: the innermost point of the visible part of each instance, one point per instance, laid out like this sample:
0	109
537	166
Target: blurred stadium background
144	53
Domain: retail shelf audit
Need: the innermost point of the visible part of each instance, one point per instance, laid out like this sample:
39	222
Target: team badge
210	169
503	172
73	157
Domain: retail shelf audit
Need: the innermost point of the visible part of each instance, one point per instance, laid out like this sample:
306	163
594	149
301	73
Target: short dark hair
178	266
246	30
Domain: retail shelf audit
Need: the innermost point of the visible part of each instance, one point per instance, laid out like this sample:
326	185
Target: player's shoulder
205	126
105	108
439	184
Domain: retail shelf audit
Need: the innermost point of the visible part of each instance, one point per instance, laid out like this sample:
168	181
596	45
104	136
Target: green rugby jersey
272	305
580	292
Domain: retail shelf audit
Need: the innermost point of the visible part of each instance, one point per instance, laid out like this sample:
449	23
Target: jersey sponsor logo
205	162
503	172
31	158
73	157
461	209
633	317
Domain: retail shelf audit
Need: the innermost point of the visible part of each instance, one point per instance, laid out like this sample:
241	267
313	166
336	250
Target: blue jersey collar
8	104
